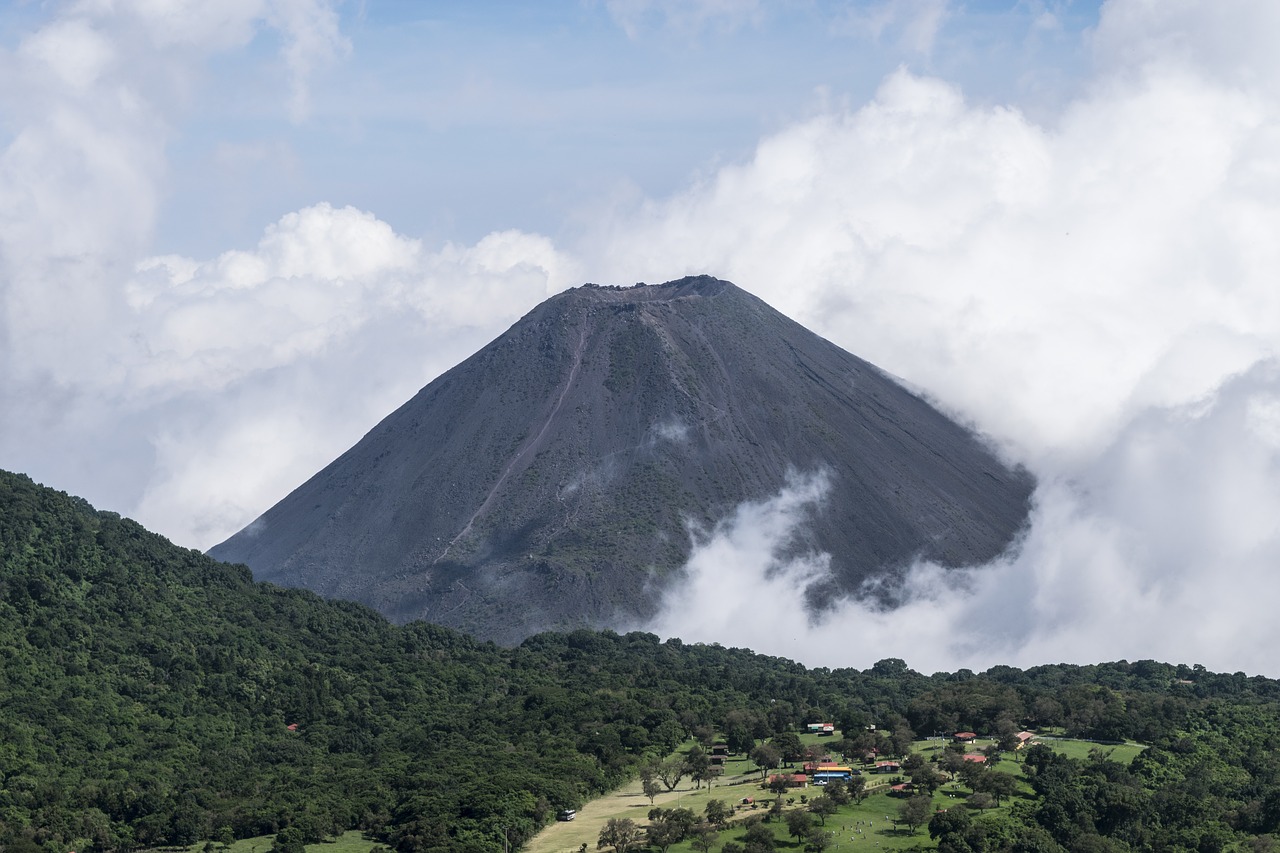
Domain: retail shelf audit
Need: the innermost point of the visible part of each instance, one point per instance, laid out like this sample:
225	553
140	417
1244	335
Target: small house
792	780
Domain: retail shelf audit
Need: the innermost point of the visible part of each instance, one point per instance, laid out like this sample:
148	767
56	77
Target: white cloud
1095	292
1042	281
91	95
286	354
1164	547
194	392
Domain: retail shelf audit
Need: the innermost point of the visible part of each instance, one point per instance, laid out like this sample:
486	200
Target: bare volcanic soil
548	480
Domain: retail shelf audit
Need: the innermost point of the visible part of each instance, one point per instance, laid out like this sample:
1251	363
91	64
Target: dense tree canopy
150	695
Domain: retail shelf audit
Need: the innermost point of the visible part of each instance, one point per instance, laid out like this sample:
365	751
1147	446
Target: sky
234	236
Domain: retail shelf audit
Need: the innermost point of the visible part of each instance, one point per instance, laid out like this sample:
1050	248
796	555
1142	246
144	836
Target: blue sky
235	235
454	119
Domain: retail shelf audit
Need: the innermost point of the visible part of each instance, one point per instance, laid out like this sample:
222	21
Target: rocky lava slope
549	479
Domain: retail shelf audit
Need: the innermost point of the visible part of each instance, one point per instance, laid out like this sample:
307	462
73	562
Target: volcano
552	479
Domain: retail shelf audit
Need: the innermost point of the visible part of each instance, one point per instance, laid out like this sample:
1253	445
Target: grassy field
1120	753
741	779
866	826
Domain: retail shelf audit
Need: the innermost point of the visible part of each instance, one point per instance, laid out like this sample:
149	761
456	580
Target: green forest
150	696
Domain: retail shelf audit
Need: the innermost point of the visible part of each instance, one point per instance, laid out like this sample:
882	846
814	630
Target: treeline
151	696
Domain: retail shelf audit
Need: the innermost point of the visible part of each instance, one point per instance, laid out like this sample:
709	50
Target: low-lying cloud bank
1164	547
1094	291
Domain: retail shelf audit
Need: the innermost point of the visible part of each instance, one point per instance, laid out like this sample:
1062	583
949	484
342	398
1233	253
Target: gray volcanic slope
546	481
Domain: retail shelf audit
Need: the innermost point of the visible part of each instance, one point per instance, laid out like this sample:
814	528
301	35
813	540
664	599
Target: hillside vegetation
151	696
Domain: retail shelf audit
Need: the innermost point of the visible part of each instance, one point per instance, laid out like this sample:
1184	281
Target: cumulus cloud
1095	293
190	392
91	96
284	355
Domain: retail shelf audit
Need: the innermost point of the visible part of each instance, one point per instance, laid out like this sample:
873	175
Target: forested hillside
150	695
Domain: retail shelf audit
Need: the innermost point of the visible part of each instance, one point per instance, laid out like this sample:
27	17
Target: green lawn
1121	753
865	826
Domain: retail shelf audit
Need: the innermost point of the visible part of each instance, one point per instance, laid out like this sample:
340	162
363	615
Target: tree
288	840
838	792
902	738
759	839
671	772
951	761
926	779
651	789
737	728
915	811
779	782
817	841
663	831
717	812
789	745
704	838
684	819
972	774
799	824
999	786
858	788
823	807
620	833
697	764
950	821
980	801
782	716
766	756
662	835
